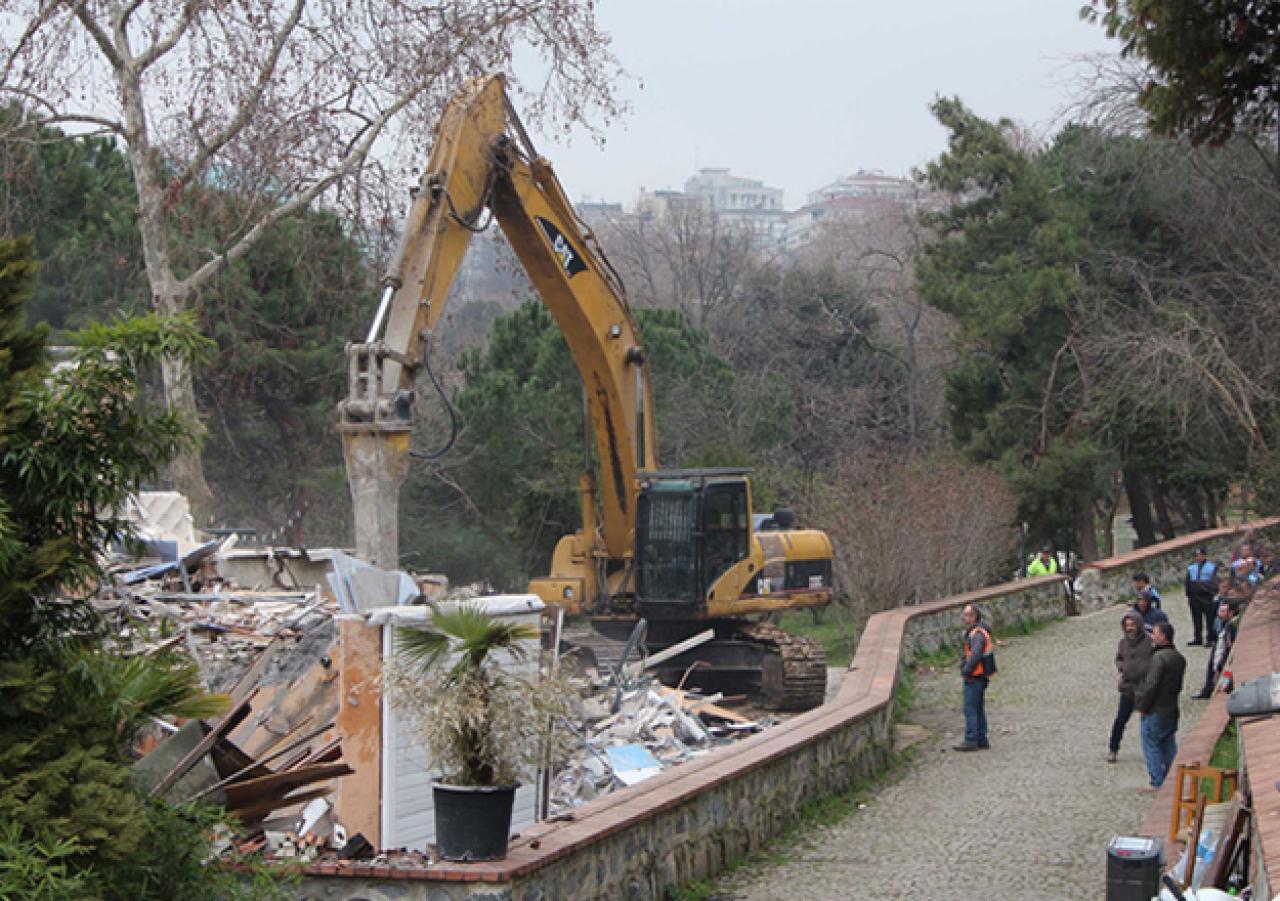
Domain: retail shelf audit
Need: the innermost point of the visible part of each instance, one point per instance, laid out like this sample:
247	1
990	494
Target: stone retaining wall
1105	582
688	822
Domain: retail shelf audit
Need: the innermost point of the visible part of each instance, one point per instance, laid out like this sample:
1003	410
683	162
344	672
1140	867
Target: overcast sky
796	93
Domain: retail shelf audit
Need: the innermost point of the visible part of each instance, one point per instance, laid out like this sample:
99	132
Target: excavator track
794	669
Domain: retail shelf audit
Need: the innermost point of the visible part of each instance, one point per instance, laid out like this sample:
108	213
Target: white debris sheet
653	728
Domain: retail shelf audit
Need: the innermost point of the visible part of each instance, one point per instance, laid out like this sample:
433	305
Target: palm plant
484	722
129	691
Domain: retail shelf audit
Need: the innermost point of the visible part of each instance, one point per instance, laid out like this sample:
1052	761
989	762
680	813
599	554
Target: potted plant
485	717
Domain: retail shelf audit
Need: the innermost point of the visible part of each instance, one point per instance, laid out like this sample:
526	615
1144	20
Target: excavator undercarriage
775	669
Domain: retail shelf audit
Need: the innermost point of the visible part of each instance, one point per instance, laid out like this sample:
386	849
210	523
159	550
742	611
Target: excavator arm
483	161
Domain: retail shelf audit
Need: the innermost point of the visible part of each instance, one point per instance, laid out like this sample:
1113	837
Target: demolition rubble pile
261	626
634	728
258	632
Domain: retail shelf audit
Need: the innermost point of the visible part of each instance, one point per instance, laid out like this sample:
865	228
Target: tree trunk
1139	506
169	296
1088	536
1195	510
186	470
1211	505
1163	520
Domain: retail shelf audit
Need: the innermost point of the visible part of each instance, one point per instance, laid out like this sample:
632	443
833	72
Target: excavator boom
476	165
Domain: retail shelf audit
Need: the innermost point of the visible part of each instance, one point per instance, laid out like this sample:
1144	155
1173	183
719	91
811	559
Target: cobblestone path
1028	820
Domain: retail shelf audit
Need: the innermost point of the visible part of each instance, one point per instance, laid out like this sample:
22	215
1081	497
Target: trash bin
1133	868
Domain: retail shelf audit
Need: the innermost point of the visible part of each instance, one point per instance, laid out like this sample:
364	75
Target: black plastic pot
472	822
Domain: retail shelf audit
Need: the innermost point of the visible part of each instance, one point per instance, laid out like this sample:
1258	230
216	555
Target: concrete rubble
630	734
261	624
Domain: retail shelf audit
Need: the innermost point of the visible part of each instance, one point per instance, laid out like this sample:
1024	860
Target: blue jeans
975	712
1159	745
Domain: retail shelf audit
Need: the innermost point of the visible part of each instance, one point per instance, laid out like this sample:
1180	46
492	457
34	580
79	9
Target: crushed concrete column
377	462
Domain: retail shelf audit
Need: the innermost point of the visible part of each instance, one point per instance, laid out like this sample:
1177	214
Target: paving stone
1028	820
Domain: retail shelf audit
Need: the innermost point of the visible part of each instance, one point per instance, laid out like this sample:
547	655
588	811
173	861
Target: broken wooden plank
718	712
634	669
229	722
277	785
263	762
249	681
256	810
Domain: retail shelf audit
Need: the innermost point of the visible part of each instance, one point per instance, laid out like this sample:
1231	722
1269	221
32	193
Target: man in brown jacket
1133	659
1157	703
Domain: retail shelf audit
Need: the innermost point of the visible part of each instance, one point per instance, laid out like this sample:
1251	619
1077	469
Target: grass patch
838	632
943	658
826	810
905	698
948	657
1022	628
1226	753
835	630
1226	756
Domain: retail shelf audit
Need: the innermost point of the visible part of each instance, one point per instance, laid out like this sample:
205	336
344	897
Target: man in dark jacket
1225	637
1149	612
1157	703
1133	659
975	665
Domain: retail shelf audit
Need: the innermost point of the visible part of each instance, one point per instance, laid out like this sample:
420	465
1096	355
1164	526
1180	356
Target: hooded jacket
1133	656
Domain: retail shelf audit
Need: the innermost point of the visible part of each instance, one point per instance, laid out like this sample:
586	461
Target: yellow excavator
678	548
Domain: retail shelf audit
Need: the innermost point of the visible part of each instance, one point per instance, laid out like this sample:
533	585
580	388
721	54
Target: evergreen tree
73	444
494	506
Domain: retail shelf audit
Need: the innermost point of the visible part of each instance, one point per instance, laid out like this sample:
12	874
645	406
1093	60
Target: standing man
976	668
1046	564
1227	625
1133	659
1157	703
1149	612
1142	586
1201	585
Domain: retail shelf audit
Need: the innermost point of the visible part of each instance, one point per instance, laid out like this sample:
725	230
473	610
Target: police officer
1201	586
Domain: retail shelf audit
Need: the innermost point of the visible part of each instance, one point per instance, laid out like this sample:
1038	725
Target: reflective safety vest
986	665
1039	568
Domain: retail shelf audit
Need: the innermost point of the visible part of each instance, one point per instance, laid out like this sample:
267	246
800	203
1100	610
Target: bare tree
682	255
877	251
907	532
286	102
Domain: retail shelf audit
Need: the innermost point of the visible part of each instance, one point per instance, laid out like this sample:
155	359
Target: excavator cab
691	527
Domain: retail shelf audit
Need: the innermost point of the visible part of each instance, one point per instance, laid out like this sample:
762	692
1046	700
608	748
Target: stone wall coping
1256	654
868	688
1186	541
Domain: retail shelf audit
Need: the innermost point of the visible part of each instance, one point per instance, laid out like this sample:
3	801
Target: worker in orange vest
977	667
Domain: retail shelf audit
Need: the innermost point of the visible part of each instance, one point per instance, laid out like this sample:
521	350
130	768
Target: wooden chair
1222	784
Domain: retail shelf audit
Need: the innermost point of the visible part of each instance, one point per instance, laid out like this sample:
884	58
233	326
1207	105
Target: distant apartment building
490	271
732	193
598	212
856	198
757	208
746	202
657	205
867	185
